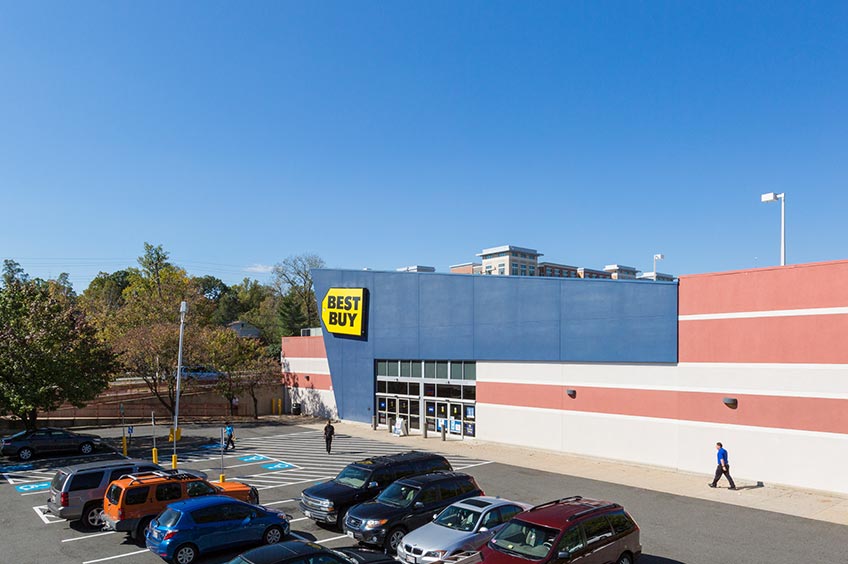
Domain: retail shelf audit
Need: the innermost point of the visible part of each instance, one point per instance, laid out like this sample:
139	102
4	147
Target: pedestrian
329	432
231	435
723	467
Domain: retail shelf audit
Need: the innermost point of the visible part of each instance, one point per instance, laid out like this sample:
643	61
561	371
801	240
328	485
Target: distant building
243	329
467	268
592	273
507	260
621	272
557	270
656	277
416	268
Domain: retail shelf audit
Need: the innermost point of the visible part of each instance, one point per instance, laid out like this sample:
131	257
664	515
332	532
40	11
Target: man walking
230	433
723	467
329	431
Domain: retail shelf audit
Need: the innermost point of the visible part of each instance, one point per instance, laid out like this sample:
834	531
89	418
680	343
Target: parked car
300	552
132	502
406	505
363	481
463	526
47	440
192	527
201	373
572	529
76	492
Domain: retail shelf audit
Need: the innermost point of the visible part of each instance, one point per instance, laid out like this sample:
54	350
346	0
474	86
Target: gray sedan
47	440
465	525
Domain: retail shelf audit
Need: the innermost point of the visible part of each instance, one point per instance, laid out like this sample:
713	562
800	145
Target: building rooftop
509	248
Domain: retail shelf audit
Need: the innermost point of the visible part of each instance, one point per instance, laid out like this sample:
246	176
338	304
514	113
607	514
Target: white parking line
40	492
40	514
284	484
472	465
332	538
89	536
299	519
117	556
279	502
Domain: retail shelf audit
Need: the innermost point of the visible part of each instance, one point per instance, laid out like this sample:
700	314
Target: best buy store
594	367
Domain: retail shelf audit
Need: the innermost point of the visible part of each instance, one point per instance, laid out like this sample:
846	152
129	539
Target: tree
49	352
291	315
264	371
154	260
103	299
295	274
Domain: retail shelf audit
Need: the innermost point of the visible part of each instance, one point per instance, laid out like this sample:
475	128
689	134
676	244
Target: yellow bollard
174	461
124	445
155	456
222	478
279	406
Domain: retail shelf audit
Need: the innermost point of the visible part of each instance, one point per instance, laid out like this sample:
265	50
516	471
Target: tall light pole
772	197
656	258
183	310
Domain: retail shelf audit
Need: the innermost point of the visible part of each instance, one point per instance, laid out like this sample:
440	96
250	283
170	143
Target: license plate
350	534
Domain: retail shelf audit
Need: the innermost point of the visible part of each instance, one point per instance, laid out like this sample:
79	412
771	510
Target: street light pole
183	310
657	257
772	197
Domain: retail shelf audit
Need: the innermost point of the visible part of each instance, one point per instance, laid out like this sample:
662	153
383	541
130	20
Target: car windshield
19	435
344	556
524	539
398	495
353	476
168	518
458	518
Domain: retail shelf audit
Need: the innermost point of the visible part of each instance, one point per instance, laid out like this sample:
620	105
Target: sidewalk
809	504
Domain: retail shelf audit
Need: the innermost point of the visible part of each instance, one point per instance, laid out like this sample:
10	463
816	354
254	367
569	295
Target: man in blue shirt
723	467
230	433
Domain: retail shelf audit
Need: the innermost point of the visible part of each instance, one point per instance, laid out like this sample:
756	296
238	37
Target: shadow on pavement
653	559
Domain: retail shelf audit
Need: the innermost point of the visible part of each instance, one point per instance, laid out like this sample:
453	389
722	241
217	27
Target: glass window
442	410
392	405
456	371
414	407
620	522
466	485
169	518
167	492
448	490
194	489
430	390
523	270
470	370
429	495
381	386
414	389
532	270
416	370
393	368
527	539
458	518
118	472
571	541
401	388
429	369
491	519
456	411
431	409
515	270
596	529
448	391
208	515
435	464
136	496
323	558
469	392
441	370
405	368
237	511
353	476
398	495
382	368
509	511
86	481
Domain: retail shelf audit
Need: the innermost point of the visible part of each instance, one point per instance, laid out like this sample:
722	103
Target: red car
572	529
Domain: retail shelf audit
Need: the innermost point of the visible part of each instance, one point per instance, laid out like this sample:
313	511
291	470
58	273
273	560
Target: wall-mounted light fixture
732	403
572	393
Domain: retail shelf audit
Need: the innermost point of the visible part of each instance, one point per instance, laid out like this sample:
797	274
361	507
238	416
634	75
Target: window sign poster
431	409
469	429
455	426
469	412
441	423
382	404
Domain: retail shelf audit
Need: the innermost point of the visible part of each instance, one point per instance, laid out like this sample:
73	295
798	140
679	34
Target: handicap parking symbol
23	488
253	458
278	466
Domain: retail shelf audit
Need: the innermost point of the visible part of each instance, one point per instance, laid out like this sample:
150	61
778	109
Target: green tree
294	275
104	298
291	315
49	352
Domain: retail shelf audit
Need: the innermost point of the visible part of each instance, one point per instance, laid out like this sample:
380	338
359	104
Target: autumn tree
294	274
49	352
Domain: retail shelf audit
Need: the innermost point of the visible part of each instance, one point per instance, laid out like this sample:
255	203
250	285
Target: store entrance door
458	418
389	408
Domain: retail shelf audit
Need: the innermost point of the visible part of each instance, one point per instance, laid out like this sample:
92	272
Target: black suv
406	505
363	480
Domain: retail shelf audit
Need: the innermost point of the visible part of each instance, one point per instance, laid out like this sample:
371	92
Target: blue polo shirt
722	455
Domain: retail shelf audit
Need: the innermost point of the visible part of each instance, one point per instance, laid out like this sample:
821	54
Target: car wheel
92	516
272	535
185	554
393	539
625	559
86	448
25	453
138	534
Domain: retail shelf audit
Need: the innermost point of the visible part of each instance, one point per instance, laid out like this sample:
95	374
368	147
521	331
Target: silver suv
76	492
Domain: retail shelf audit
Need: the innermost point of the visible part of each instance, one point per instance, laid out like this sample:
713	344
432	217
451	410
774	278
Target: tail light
170	535
120	515
64	499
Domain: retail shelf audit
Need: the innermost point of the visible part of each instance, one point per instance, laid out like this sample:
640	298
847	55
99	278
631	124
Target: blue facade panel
431	316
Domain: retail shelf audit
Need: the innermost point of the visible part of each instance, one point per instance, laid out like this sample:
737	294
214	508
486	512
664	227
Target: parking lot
282	460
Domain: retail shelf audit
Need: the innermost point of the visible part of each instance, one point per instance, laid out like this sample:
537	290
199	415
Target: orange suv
133	501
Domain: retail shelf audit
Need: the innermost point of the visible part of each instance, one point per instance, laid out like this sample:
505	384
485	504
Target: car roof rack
591	509
172	474
555	501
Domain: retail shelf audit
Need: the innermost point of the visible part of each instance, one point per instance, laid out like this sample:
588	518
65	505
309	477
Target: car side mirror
373	485
482	529
418	504
564	555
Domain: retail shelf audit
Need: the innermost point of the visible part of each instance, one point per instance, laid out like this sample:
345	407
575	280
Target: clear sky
384	134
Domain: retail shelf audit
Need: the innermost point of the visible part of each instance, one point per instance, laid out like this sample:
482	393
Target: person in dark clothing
723	467
329	432
230	435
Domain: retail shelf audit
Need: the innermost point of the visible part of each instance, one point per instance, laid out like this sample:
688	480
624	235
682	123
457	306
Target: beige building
507	260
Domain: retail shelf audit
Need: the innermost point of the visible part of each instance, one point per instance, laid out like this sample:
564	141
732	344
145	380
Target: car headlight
328	504
436	554
373	523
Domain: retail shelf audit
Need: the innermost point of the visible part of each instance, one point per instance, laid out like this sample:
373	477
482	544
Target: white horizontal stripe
768	313
663	420
89	536
308	365
116	556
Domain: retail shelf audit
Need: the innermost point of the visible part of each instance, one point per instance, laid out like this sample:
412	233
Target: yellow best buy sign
343	311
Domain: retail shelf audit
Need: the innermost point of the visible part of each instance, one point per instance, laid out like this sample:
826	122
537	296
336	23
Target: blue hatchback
188	528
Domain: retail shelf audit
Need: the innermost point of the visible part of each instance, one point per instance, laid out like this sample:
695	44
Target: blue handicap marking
23	488
16	468
253	458
277	466
213	446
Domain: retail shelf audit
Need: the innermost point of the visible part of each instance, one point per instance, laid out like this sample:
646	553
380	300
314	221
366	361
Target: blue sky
384	134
